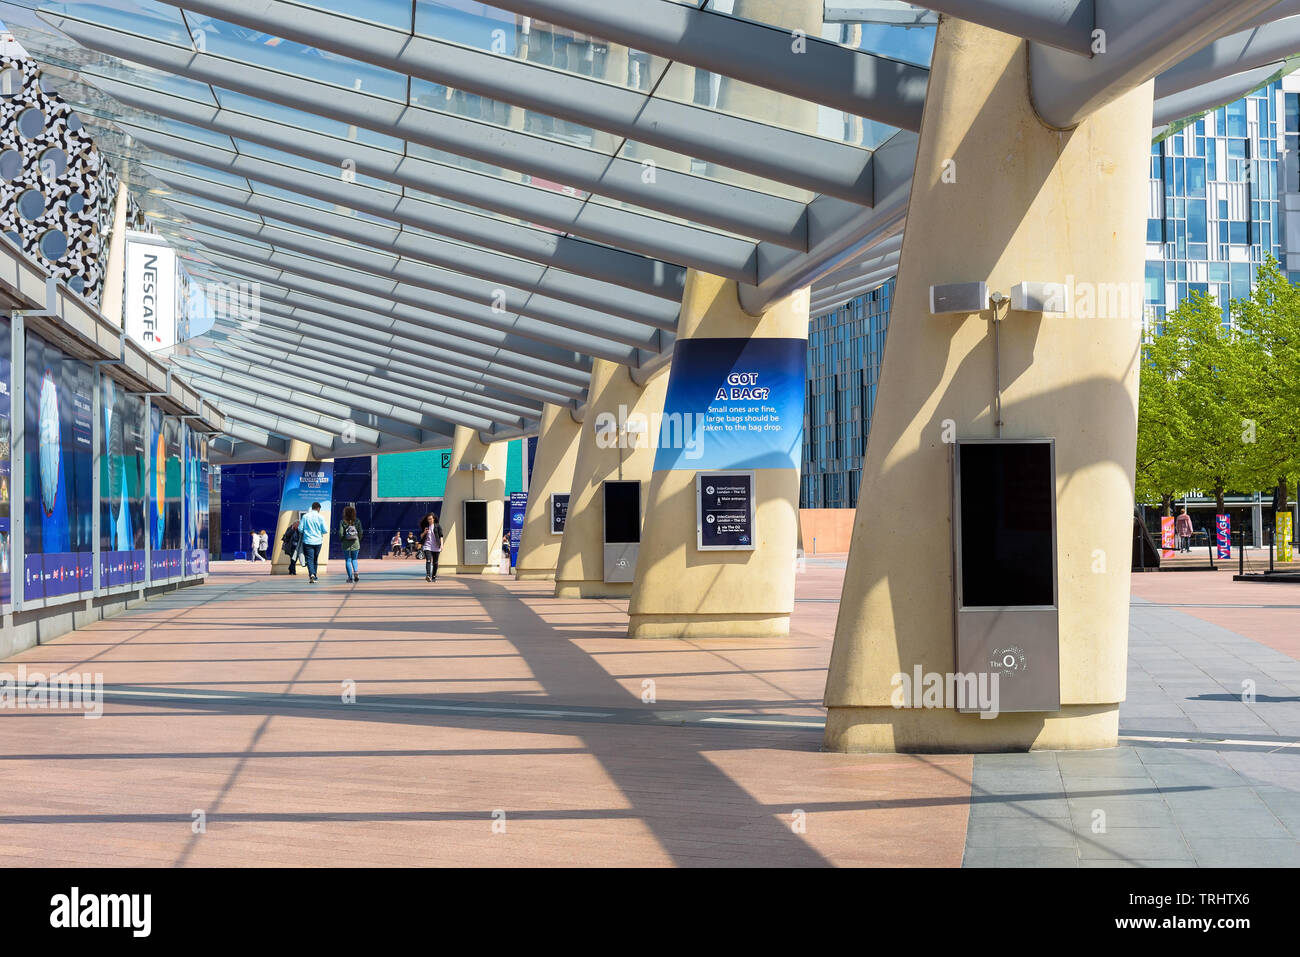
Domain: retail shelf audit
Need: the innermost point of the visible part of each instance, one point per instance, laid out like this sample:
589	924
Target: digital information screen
622	513
1007	531
476	521
724	515
559	512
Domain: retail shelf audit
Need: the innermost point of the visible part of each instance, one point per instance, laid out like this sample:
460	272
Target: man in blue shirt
313	532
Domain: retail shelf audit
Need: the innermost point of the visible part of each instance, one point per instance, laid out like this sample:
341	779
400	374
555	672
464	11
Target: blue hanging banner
734	404
518	506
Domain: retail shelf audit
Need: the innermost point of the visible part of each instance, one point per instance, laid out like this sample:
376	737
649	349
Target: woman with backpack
350	540
430	545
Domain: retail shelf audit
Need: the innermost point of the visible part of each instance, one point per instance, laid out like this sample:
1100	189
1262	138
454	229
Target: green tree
1196	380
1269	321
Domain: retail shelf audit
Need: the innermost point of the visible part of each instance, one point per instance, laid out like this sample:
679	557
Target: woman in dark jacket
430	545
291	540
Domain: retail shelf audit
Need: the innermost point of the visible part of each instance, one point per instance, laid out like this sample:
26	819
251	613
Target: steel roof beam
668	242
697	199
1142	39
860	84
810	162
446	334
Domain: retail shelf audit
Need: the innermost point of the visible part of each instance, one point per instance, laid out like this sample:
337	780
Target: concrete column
606	451
680	591
299	451
1027	203
557	452
465	483
110	301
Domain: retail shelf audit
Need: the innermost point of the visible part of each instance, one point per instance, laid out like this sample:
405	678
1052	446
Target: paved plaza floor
480	722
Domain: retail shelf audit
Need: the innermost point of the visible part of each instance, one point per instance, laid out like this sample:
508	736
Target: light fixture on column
1046	297
959	297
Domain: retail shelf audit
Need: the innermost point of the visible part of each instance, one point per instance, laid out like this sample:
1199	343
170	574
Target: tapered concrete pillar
681	591
557	452
299	451
468	480
607	449
999	197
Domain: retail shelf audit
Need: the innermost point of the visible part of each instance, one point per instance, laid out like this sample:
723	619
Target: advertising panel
1223	532
6	405
149	309
1282	535
59	458
165	489
518	505
1168	542
172	486
197	484
122	478
734	404
305	483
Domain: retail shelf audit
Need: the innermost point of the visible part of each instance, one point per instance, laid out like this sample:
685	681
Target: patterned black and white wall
56	189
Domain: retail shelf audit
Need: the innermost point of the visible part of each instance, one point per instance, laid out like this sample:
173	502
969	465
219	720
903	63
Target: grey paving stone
1121	813
1242	822
997	806
1003	832
1214	798
1134	843
1021	857
1173	862
1220	851
1184	775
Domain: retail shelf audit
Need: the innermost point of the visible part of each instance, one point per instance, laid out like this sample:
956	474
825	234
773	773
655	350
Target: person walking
1183	529
350	541
313	531
431	545
264	545
255	548
505	554
291	542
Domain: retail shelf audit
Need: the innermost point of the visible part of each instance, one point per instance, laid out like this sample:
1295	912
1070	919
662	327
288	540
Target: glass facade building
1224	193
1216	201
845	348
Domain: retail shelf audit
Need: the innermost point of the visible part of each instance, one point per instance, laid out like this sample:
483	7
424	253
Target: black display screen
1008	498
476	521
622	512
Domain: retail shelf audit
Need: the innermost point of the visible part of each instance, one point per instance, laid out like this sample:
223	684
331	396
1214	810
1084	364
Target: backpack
350	533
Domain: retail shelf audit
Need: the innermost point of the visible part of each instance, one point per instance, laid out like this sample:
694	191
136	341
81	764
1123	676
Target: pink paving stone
328	786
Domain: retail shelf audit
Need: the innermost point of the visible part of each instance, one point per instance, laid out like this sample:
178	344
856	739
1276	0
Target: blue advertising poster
197	483
733	404
122	477
59	459
306	483
165	488
518	505
6	404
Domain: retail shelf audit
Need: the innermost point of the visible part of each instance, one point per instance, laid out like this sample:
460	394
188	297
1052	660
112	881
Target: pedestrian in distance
313	531
1183	529
431	545
255	549
505	552
350	542
264	545
291	542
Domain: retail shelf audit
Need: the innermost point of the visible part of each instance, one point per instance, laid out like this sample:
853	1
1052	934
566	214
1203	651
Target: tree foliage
1219	406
